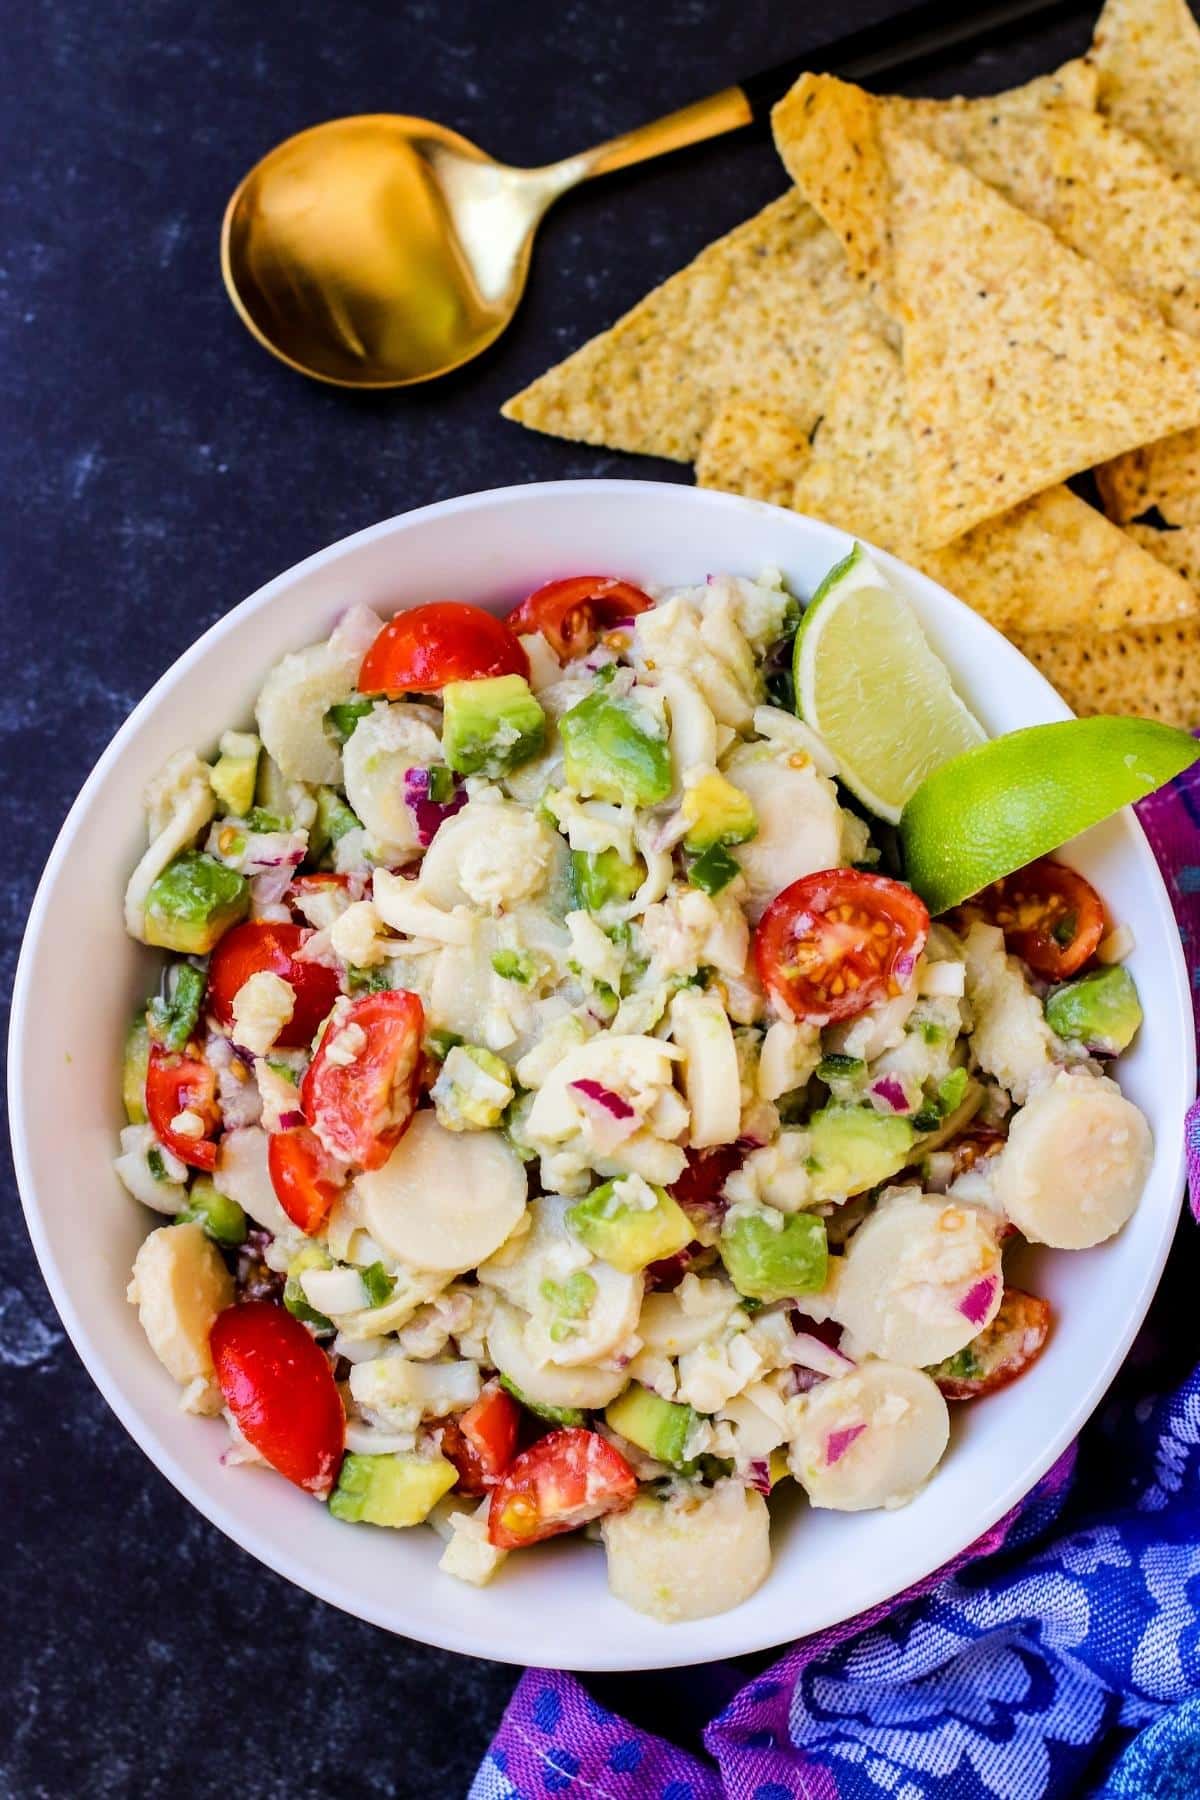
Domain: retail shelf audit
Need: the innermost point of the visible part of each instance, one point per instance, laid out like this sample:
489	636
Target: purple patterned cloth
1058	1656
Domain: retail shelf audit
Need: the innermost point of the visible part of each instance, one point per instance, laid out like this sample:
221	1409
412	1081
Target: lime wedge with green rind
1003	804
869	684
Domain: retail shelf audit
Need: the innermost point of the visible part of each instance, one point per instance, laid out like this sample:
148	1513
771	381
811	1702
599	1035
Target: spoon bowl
380	250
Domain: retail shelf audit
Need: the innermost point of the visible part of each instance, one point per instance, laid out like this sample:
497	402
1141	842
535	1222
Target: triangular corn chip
1024	363
1153	671
1053	563
1179	549
827	134
761	314
1165	475
1147	56
754	451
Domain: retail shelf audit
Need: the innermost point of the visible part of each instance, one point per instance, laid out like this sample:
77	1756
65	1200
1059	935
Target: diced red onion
758	1475
428	815
269	888
289	1121
975	1302
826	1331
890	1089
904	964
605	1098
801	1380
672	832
811	1353
838	1442
612	1118
242	1054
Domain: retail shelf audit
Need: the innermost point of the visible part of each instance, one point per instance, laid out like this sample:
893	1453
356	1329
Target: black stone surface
156	467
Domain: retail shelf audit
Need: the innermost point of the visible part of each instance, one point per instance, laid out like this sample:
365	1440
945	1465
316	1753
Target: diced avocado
490	726
334	819
173	1017
659	1427
713	869
341	719
854	1148
629	1236
778	1468
601	876
770	1262
134	1063
1101	1010
390	1490
716	813
613	749
193	901
554	1415
222	1218
473	1088
440	1043
311	1257
235	772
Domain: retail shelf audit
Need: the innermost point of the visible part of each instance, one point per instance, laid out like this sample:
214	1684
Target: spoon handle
902	47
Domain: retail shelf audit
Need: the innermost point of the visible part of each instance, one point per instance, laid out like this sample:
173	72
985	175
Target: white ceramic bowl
80	978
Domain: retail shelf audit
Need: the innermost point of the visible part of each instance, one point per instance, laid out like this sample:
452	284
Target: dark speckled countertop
157	466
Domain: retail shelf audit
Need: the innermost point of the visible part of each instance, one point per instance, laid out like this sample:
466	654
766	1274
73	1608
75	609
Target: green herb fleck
378	1283
713	870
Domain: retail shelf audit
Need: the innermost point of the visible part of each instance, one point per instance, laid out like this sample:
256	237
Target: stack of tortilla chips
959	306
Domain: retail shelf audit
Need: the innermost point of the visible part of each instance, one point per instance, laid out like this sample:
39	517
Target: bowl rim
324	1583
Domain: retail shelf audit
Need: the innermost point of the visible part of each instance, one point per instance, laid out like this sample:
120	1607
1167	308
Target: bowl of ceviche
560	1196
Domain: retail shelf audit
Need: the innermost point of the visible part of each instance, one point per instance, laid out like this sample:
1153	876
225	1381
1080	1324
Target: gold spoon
382	250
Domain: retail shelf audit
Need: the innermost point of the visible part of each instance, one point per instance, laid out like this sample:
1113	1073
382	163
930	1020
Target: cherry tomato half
1049	915
362	1107
180	1083
1003	1350
482	1441
420	651
262	944
279	1387
834	943
572	614
558	1484
304	1176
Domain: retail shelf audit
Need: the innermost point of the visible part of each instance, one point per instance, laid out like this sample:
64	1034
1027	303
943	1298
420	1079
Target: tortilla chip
1153	671
1053	563
1165	475
1000	138
827	134
1024	362
1147	56
760	314
752	451
1179	549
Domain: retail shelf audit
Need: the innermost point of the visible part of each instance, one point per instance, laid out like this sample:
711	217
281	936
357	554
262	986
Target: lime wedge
868	682
997	807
